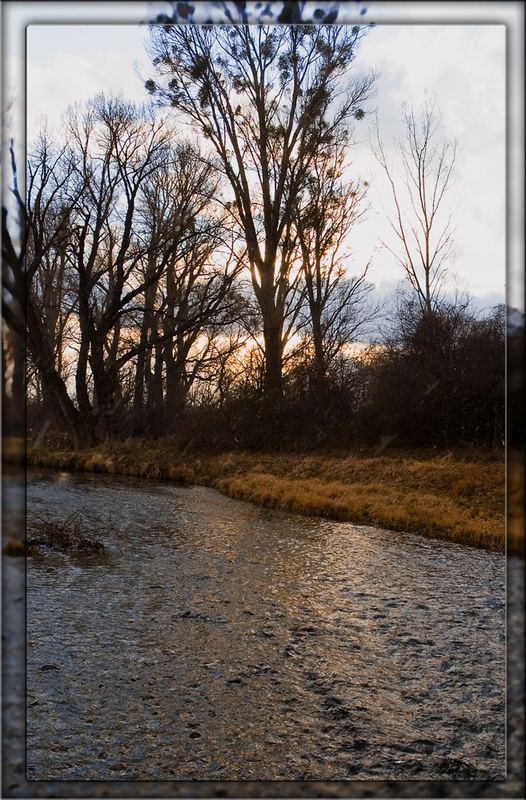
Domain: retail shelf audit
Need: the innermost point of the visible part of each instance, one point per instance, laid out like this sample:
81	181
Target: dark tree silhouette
264	98
336	307
119	245
438	380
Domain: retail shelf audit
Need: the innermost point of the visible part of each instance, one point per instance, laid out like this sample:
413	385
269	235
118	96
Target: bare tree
119	265
336	302
265	98
193	290
117	149
40	227
424	233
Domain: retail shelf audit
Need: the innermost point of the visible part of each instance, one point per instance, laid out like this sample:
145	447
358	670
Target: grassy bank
447	496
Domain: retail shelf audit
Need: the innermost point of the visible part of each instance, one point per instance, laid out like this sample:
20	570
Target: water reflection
219	640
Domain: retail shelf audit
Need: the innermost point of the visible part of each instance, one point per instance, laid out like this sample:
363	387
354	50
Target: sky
462	65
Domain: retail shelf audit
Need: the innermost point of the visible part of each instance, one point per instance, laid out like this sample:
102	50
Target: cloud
69	64
463	65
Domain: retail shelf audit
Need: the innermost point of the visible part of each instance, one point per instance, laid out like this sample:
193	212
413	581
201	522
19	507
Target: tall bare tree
336	302
265	98
119	246
42	223
194	290
423	229
117	149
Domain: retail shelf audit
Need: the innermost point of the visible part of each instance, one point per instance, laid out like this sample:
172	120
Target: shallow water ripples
220	641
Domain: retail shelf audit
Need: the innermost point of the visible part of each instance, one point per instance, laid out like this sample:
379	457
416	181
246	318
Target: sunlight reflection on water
218	639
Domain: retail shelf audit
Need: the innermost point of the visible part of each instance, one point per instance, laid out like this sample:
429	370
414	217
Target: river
215	640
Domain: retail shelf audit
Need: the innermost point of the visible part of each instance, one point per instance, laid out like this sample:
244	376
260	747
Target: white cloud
71	63
464	68
463	65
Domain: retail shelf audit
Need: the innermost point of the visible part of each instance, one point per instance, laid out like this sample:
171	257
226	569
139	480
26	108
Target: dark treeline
204	291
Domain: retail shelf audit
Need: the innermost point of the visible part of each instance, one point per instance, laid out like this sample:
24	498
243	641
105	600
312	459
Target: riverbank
454	497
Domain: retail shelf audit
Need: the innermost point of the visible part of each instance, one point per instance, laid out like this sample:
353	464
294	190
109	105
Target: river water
215	640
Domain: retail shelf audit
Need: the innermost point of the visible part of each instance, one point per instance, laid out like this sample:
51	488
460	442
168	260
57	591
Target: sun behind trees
121	232
273	102
190	273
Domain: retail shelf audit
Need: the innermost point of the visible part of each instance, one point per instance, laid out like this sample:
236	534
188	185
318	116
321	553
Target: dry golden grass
444	496
372	503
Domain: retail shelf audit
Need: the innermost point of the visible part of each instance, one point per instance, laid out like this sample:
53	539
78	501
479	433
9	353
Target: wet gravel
216	641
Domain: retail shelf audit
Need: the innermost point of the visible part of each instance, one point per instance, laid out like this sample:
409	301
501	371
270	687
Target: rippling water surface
219	641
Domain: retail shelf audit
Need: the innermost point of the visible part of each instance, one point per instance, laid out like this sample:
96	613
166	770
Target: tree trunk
143	357
273	360
106	390
175	384
154	399
81	384
272	334
319	350
63	407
